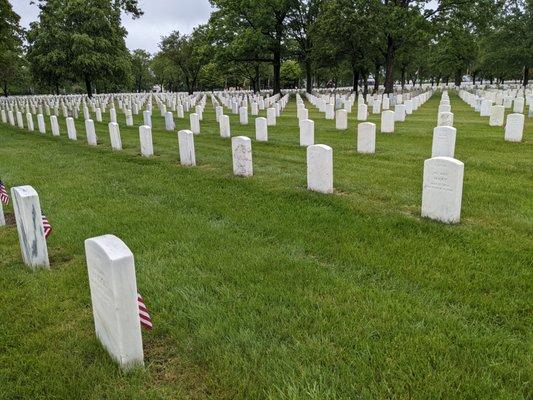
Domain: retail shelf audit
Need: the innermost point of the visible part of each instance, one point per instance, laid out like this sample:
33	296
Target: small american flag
144	316
4	197
47	227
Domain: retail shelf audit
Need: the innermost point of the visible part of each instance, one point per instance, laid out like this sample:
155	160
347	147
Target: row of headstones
112	280
514	126
388	117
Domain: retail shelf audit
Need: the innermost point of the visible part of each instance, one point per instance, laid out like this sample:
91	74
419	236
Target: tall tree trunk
57	88
308	76
4	87
526	76
355	72
474	73
458	77
365	86
376	77
256	79
88	86
277	71
389	65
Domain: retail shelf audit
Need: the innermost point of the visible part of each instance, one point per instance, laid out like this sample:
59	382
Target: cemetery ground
259	288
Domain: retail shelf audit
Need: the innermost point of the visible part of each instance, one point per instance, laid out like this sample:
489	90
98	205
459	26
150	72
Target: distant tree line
79	46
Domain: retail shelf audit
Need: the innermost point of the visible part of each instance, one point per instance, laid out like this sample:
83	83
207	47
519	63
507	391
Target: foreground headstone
242	156
261	129
320	168
443	141
442	189
514	129
243	115
111	270
307	132
90	133
145	137
30	228
186	145
399	112
366	138
114	136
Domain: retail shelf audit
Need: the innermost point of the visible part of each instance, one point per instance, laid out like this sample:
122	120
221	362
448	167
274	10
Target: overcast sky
160	18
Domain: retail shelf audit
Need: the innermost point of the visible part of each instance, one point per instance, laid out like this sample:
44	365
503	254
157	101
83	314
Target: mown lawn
260	289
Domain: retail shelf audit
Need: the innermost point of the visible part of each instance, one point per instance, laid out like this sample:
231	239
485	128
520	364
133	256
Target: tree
266	20
140	69
81	40
188	52
10	45
291	72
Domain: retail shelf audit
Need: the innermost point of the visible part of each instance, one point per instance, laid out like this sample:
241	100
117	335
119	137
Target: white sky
160	18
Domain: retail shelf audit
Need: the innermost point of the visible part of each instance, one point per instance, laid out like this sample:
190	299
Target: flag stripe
4	197
144	316
47	227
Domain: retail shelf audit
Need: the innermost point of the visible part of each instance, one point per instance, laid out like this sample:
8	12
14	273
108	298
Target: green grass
260	289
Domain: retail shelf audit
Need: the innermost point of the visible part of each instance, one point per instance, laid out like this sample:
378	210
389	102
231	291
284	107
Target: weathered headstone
242	156
30	228
243	115
445	119
442	189
111	269
497	115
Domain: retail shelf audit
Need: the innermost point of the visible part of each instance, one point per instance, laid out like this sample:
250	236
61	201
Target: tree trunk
277	71
526	76
89	87
376	78
458	77
491	80
308	76
256	79
403	78
4	87
355	72
389	65
365	86
474	77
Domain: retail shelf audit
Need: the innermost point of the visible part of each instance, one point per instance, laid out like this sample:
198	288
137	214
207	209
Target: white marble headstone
111	270
30	229
242	156
320	168
186	146
442	189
